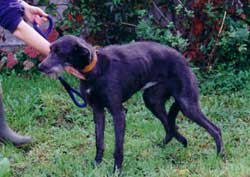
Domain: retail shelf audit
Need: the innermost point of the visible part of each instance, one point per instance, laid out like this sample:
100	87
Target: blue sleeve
11	14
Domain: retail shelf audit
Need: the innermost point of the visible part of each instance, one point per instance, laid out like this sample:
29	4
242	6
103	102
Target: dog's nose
40	67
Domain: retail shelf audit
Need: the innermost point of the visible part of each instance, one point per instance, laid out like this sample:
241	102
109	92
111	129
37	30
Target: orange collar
91	66
85	70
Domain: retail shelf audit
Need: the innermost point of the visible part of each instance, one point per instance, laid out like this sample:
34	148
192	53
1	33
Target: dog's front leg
119	126
99	119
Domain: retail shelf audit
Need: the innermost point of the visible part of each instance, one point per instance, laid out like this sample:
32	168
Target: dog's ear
81	54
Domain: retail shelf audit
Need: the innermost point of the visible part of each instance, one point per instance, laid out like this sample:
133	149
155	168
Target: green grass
64	139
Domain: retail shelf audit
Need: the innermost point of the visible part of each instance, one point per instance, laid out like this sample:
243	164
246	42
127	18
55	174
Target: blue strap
71	91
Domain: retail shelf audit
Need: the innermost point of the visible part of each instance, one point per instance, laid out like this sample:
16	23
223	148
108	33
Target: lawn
64	139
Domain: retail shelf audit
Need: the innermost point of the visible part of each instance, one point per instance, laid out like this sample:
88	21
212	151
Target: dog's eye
57	50
85	51
82	50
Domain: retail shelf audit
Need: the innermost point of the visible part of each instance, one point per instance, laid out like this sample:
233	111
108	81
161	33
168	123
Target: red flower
31	52
70	16
197	26
79	18
218	2
191	55
199	4
217	28
216	25
231	10
243	16
53	35
11	60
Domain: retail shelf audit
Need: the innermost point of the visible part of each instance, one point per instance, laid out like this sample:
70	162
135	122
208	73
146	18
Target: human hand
34	14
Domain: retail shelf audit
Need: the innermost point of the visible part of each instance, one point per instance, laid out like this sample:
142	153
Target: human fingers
40	20
40	12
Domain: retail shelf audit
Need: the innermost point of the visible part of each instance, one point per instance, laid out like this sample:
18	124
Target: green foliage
147	30
233	48
192	28
224	80
101	23
78	18
180	9
117	1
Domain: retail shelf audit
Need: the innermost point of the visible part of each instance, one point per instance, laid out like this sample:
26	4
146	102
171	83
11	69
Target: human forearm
32	38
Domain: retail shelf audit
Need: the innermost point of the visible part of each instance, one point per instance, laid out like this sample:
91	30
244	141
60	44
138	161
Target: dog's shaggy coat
121	70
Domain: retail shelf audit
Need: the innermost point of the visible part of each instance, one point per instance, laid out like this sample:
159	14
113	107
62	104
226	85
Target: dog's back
139	63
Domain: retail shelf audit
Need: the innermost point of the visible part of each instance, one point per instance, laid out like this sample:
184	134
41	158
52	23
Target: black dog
114	73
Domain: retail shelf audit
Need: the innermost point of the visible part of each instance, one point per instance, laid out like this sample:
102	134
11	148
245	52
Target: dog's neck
85	70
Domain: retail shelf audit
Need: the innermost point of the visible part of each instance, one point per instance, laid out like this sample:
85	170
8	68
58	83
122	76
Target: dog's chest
93	95
149	85
88	91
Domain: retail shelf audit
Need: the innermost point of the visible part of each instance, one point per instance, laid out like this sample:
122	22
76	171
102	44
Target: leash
71	91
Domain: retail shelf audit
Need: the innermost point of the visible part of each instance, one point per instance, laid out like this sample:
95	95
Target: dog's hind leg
190	108
155	98
173	112
99	119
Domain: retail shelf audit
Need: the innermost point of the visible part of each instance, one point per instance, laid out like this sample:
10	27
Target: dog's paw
181	139
117	171
167	139
164	142
96	164
222	155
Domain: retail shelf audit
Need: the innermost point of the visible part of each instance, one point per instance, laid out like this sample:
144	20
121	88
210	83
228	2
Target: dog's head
68	51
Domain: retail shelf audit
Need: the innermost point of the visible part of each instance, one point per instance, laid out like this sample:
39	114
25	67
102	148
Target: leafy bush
147	30
224	81
209	33
78	17
206	32
233	48
101	23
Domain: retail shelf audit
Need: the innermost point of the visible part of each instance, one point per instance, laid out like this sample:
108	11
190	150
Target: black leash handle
71	91
48	31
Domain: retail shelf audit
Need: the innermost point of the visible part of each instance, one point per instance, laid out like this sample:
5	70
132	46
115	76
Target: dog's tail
187	79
